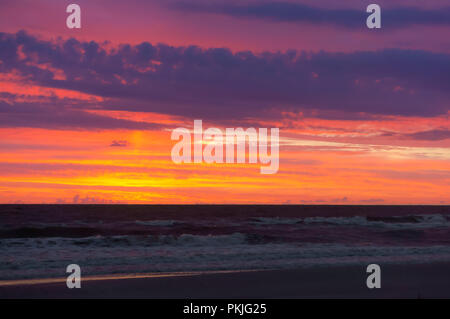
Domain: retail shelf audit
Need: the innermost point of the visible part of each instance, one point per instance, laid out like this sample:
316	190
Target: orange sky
48	166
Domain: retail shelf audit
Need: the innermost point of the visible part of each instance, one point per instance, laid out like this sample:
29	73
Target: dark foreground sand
398	281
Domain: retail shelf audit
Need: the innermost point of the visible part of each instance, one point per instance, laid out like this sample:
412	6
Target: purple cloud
431	135
119	143
218	84
399	17
59	116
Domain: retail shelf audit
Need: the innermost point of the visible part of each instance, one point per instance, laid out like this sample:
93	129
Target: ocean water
39	241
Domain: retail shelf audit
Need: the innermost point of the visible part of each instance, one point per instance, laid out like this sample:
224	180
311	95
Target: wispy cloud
431	135
399	17
119	143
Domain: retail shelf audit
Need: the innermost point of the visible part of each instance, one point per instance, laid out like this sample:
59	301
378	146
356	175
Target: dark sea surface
39	241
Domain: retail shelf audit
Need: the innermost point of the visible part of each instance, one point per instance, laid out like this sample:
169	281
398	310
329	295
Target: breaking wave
411	222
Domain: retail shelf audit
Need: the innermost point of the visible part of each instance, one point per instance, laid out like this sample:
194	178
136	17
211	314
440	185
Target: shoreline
430	280
43	281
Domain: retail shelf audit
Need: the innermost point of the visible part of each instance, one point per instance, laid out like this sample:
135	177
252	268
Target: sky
86	114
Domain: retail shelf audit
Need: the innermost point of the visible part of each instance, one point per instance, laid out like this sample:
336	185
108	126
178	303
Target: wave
410	222
51	231
271	227
157	222
186	240
193	253
275	221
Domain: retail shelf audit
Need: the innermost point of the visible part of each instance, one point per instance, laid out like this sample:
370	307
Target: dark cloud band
294	12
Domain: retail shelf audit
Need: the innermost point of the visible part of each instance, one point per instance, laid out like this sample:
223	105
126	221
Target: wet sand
397	281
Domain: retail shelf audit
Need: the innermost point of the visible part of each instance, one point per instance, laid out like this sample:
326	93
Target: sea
40	241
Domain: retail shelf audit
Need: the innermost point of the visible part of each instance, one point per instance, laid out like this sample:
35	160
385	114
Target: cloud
399	17
218	84
77	199
431	135
119	143
58	116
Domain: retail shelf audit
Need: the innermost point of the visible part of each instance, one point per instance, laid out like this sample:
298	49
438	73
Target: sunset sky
86	115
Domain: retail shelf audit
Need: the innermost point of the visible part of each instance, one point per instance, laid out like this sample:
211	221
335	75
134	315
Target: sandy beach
398	281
